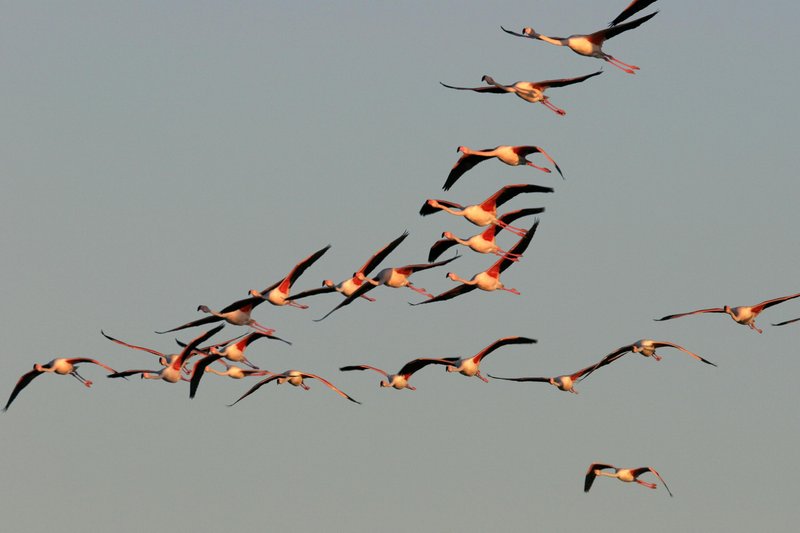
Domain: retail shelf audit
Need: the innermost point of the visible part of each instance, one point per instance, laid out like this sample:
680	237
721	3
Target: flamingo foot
87	383
367	298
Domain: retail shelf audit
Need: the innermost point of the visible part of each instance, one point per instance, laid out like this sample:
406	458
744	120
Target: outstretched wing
186	353
463	288
661	344
500	343
542	380
77	360
614	30
511	216
463	165
417	364
297	271
564	81
410	269
518	34
709	310
510	191
775	301
22	382
633	8
786	322
486	89
206	320
363	367
518	249
331	386
363	289
198	370
310	292
527	150
148	350
438	248
258	386
381	254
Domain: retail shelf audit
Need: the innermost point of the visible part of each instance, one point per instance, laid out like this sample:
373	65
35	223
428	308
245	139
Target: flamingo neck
551	40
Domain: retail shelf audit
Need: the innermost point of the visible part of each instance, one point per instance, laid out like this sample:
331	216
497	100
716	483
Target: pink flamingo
510	155
400	379
294	377
278	293
627	475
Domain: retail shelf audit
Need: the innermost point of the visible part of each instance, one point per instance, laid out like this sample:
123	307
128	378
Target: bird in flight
530	91
510	155
627	475
744	314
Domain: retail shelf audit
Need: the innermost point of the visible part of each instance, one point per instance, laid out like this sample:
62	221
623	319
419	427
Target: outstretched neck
557	41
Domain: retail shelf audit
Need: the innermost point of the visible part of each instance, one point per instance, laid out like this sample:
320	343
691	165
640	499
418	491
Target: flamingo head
328	283
528	31
385	383
451	369
728	310
462	149
359	276
254	293
447	235
38	367
203	308
487	79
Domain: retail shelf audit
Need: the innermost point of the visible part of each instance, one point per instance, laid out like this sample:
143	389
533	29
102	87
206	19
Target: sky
162	155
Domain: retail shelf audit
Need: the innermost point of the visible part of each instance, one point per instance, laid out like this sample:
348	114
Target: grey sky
157	156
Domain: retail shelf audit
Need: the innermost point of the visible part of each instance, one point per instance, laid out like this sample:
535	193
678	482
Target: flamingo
60	365
489	279
484	242
395	277
530	91
590	45
294	377
744	314
232	371
400	379
237	313
278	293
647	347
470	366
565	383
234	351
172	372
485	213
623	474
510	155
349	286
633	8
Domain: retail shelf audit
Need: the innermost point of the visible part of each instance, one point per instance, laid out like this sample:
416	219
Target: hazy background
157	156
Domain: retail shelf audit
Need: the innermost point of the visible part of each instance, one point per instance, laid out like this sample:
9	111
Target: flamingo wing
198	370
463	165
410	269
310	292
331	386
22	382
489	89
500	343
528	150
633	8
77	360
542	380
297	271
448	295
148	350
775	301
363	289
510	191
418	364
661	344
511	216
187	351
258	386
563	82
709	310
202	321
126	373
438	248
363	367
515	33
787	322
614	30
381	254
518	249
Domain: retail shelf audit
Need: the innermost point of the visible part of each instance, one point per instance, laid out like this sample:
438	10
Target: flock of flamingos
176	367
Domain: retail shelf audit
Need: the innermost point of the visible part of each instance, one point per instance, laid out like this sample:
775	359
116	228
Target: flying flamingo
172	372
744	314
400	379
232	371
470	366
234	351
590	45
349	286
633	8
237	313
623	474
278	293
484	242
396	278
530	91
510	155
62	366
489	279
485	213
293	377
647	347
566	382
